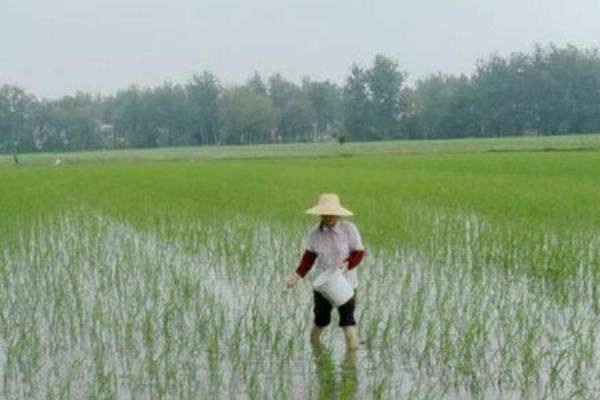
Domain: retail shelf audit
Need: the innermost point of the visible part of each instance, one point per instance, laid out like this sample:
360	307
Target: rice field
165	280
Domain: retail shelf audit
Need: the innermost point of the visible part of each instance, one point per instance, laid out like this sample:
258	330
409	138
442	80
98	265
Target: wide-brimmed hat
329	204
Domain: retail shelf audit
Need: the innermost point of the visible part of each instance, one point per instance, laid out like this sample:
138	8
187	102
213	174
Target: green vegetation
548	91
165	279
590	142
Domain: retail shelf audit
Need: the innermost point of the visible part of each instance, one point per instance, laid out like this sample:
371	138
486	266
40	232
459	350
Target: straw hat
329	204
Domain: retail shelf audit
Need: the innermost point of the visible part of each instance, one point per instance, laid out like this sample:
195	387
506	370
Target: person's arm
358	250
306	263
355	258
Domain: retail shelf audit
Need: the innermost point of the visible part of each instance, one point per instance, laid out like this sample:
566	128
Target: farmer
333	243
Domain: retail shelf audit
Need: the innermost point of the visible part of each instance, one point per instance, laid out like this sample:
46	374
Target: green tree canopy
247	117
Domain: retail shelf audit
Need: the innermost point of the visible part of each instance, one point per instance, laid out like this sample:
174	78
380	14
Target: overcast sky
55	48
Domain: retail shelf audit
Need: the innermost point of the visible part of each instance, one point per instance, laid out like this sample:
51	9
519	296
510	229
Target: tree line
549	90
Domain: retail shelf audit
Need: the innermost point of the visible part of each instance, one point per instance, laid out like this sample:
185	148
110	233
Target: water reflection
333	383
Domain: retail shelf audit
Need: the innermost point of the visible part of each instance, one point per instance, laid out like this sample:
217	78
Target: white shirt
333	246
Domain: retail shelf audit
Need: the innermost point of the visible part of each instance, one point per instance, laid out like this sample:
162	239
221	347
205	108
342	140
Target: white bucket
334	287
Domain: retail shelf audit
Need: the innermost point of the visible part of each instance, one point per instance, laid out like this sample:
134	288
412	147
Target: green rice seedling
480	279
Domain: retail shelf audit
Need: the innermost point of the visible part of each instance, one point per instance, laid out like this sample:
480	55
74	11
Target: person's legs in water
322	311
348	323
349	382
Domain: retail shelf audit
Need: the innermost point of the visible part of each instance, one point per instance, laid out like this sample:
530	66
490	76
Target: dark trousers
322	311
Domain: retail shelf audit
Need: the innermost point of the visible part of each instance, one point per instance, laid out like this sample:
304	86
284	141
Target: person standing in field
333	243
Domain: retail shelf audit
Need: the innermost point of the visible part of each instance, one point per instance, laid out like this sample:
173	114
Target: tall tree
282	90
69	123
16	119
357	109
168	115
281	93
247	117
448	105
204	92
567	98
324	99
502	95
257	85
297	117
385	81
411	125
128	118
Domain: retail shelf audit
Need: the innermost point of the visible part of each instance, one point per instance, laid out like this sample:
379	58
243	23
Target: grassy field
588	142
159	273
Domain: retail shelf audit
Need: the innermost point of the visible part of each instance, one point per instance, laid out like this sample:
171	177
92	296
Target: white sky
54	48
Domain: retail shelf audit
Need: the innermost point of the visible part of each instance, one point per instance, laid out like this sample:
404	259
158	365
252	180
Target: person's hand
343	266
292	280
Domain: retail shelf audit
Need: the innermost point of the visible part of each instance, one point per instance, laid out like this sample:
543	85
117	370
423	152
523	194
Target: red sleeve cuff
308	259
355	258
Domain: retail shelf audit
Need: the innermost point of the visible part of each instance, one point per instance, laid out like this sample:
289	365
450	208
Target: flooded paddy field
167	280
